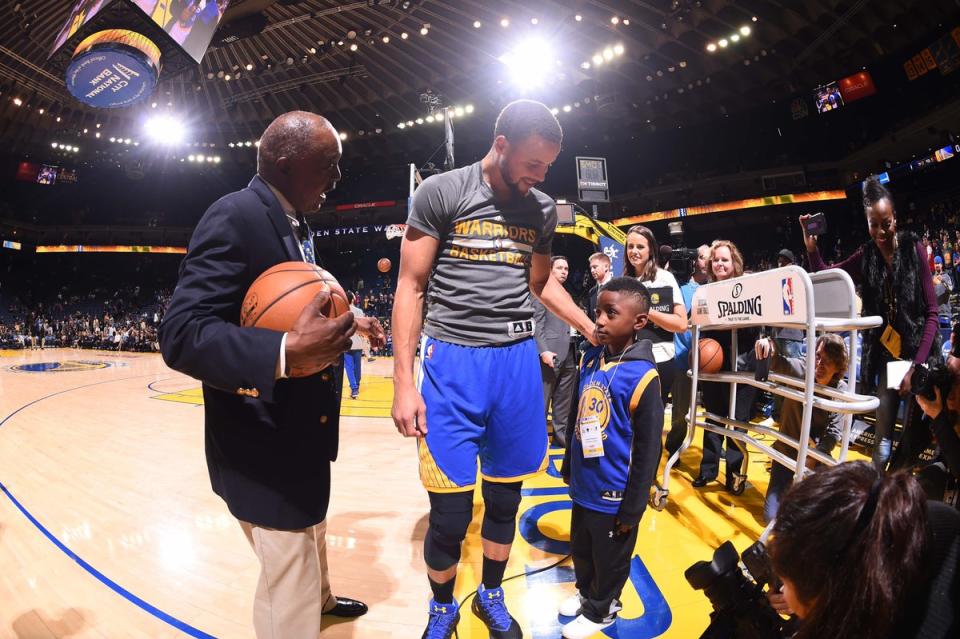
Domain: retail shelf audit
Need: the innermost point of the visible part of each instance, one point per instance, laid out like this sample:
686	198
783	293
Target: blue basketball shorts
482	403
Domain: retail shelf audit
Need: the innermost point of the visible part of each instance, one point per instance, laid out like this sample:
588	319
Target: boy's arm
647	420
571	421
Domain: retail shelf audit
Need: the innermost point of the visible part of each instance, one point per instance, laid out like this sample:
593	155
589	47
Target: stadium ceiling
283	55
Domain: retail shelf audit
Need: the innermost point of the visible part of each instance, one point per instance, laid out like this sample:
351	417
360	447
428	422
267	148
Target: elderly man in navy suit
271	399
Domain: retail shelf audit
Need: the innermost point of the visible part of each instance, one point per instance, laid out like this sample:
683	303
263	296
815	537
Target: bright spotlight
530	62
54	145
608	54
584	65
200	158
597	59
459	112
402	125
430	118
735	37
618	49
477	24
555	110
469	108
354	47
126	141
343	135
164	129
409	122
566	108
97	134
723	43
504	23
744	30
17	101
711	47
191	157
424	31
419	120
216	159
249	67
578	17
614	20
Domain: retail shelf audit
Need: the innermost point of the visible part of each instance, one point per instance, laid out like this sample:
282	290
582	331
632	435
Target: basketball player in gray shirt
477	245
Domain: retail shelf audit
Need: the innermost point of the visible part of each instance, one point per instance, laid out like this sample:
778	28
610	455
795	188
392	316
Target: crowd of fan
121	325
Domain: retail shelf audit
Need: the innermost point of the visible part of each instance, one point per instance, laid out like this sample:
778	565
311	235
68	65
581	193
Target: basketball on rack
711	356
276	298
383	265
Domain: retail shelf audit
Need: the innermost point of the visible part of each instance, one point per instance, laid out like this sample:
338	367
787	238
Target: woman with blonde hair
726	262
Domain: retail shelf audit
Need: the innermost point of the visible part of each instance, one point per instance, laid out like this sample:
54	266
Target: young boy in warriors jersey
477	245
611	461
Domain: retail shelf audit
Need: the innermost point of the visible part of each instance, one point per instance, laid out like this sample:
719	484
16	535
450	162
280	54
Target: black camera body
925	379
740	607
682	263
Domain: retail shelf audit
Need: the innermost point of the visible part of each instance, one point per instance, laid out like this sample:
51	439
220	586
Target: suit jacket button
241	391
253	392
323	419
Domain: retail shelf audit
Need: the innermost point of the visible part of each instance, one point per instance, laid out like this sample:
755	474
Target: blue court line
102	578
541	492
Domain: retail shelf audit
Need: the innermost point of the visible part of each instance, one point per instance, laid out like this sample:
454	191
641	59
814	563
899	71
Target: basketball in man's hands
711	356
277	298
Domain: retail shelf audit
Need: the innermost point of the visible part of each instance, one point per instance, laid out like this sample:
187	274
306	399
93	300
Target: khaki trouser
294	585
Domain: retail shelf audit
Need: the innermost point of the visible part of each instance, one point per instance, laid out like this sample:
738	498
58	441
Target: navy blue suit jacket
269	443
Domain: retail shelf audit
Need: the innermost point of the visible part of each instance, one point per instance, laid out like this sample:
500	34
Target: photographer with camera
864	555
938	395
690	269
895	283
825	427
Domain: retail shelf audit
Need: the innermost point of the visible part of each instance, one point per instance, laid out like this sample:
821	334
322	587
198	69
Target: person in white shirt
668	315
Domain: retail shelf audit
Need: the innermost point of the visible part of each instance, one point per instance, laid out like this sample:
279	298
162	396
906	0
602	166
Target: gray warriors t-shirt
479	294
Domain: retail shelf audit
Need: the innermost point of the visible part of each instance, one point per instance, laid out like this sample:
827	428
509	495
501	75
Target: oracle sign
856	86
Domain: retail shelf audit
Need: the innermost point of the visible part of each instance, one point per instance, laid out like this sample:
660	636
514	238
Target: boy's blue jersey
610	390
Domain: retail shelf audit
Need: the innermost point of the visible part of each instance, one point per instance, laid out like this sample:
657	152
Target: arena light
54	144
504	23
386	39
18	101
477	24
402	125
597	59
614	20
530	62
723	43
343	135
744	30
469	108
165	129
404	35
41	111
191	157
711	47
618	49
430	118
735	37
578	18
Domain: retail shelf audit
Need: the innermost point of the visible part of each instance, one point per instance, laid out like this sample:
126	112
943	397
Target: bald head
299	155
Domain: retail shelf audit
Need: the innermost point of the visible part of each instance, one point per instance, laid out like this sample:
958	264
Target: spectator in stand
896	284
942	288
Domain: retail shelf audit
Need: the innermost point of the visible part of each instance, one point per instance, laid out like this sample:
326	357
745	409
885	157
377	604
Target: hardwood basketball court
108	526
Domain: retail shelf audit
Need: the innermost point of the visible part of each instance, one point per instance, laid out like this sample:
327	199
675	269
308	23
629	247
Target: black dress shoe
701	481
736	484
347	607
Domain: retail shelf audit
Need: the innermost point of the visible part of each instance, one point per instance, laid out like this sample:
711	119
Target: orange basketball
383	265
276	298
711	356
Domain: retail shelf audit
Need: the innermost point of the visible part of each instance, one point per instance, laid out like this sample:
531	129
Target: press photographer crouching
863	555
938	395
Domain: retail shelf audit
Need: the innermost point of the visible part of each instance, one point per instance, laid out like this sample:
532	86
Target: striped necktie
303	236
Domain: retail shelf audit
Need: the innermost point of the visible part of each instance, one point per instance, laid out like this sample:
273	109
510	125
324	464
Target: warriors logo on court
65	366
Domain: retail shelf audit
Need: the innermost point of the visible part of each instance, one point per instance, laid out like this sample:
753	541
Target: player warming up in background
477	244
611	460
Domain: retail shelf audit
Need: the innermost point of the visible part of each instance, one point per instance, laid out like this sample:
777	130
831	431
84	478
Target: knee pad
501	502
450	516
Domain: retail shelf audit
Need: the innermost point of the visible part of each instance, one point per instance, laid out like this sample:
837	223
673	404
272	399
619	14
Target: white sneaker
582	628
570	607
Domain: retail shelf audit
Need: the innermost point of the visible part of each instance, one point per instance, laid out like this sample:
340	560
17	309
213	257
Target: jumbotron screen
190	23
